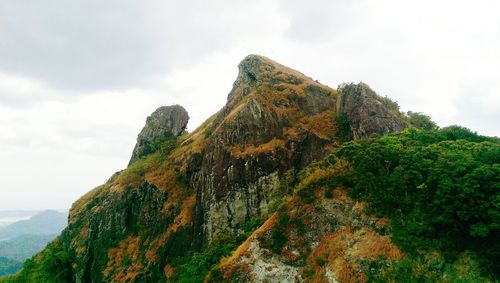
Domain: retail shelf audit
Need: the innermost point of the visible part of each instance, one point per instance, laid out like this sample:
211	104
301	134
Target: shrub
420	120
440	188
207	132
344	128
320	261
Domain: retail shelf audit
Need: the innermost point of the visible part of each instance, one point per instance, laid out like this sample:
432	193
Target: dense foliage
441	189
51	265
420	120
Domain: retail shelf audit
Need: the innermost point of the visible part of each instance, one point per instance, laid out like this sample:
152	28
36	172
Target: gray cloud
104	44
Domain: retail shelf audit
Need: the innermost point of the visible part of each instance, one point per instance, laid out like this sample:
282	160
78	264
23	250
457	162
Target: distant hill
47	222
10	216
25	246
9	266
23	239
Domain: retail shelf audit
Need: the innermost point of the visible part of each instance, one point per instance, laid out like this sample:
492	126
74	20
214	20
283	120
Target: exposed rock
276	121
250	150
165	122
367	112
336	230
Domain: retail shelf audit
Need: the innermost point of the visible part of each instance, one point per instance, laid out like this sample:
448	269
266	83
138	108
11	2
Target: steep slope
275	122
193	192
438	191
215	179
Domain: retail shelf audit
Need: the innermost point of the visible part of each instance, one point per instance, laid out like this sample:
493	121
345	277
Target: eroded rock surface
367	112
166	122
173	202
332	240
264	133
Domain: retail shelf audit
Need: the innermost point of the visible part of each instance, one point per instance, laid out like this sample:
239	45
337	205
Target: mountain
23	247
9	266
24	238
47	222
291	181
10	216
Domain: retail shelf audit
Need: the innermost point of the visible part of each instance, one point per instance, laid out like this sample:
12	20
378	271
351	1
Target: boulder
166	122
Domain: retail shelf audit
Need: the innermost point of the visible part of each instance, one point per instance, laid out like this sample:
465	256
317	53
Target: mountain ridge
256	180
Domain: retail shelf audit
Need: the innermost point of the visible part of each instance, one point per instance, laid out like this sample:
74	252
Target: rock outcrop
275	122
180	192
368	113
336	230
166	122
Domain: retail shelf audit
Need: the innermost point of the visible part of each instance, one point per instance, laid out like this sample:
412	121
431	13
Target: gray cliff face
165	122
367	112
249	154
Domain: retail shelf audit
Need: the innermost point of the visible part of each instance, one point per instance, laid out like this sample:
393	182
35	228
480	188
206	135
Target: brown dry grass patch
269	147
124	264
343	248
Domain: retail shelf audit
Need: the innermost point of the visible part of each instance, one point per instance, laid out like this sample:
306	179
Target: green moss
195	267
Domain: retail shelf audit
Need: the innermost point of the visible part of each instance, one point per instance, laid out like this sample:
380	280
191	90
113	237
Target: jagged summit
207	184
164	123
256	70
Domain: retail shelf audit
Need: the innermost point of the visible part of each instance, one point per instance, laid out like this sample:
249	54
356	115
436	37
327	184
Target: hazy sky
78	78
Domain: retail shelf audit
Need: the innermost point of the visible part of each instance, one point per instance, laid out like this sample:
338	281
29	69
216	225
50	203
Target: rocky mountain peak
165	122
256	71
367	112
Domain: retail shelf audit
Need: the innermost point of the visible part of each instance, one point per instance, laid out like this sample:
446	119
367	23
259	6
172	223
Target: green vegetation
207	132
420	121
391	104
278	234
194	268
426	268
440	188
344	127
321	261
163	144
134	174
52	265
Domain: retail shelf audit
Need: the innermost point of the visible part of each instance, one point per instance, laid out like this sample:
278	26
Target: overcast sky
78	78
